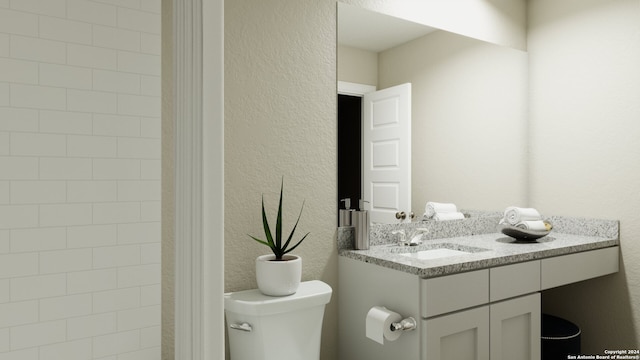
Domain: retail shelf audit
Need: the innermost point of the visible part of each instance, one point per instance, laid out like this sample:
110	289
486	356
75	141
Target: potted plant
278	274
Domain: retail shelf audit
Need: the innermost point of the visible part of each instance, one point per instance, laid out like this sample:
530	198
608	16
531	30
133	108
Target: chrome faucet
415	236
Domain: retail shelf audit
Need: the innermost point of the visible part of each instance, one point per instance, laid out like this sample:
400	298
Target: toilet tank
263	327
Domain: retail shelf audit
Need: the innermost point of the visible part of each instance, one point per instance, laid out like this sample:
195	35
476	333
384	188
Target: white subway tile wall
4	45
80	179
31	48
5	245
4	94
5	343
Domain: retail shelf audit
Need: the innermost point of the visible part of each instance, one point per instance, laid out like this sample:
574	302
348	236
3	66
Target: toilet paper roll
378	324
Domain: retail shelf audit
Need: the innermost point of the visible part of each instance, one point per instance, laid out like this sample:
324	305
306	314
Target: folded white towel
433	207
537	225
514	215
448	216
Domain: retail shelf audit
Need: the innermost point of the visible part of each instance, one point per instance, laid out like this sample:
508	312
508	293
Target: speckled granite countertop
478	237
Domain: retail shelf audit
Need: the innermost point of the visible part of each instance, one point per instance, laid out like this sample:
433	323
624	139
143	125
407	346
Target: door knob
401	215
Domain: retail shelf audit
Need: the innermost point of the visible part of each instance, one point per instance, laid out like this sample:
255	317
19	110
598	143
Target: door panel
387	152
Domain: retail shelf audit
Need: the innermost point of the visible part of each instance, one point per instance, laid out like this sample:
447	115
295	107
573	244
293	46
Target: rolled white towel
448	216
433	207
537	225
514	215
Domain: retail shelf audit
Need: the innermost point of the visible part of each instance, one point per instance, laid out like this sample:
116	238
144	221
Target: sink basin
436	251
434	254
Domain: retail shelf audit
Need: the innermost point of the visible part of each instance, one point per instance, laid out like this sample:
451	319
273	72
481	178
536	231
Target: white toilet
276	328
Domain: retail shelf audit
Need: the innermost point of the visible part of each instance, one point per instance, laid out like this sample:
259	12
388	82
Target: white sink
434	254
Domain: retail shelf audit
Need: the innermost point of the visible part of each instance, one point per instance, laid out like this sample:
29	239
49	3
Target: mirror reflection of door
386	136
374	151
469	102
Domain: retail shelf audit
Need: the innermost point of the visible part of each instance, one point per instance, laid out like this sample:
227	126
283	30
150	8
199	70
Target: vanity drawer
514	280
572	268
453	292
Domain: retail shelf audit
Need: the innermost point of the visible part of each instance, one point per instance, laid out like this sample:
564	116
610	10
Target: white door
386	139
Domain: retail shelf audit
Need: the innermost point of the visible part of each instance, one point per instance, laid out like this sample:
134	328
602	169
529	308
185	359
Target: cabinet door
458	336
515	328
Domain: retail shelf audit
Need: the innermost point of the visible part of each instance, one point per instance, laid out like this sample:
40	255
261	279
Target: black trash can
560	338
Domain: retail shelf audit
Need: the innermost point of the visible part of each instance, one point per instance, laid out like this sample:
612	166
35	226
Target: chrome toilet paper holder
406	324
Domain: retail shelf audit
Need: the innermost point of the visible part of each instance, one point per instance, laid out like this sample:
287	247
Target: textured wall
469	117
280	121
584	104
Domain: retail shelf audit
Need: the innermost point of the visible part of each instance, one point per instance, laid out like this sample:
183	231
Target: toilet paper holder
243	327
407	324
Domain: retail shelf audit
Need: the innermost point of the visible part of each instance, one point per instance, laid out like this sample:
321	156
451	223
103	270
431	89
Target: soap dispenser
346	213
360	221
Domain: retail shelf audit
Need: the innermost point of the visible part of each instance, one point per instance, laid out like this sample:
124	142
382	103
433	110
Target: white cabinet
501	331
514	280
453	292
567	269
461	335
515	328
498	329
486	314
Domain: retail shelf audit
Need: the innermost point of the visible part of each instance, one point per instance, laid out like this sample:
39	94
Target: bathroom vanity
474	292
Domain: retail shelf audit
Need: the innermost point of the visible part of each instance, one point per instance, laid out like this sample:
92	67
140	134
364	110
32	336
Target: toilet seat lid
253	302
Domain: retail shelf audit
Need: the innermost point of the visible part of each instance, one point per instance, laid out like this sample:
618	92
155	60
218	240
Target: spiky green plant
277	247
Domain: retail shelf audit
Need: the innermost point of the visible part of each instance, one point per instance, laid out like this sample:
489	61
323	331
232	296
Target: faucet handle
403	236
416	238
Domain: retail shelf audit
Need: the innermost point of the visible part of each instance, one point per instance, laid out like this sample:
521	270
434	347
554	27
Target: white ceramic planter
278	278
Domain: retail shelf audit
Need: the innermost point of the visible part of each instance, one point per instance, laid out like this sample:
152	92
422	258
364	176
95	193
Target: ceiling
372	31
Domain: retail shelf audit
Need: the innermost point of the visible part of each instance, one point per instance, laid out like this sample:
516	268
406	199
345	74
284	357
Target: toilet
276	328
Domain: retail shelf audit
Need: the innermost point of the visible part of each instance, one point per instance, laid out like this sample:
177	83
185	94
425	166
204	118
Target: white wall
469	119
497	21
357	65
585	111
79	179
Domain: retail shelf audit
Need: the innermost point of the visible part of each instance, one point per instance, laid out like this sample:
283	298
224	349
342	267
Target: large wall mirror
468	109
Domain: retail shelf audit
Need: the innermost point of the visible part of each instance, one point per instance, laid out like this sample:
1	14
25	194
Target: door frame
354	89
197	53
358	90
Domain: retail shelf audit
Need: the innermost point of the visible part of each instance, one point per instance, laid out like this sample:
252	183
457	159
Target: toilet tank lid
253	302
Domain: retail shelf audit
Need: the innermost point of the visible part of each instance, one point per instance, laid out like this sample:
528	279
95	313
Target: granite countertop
485	247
